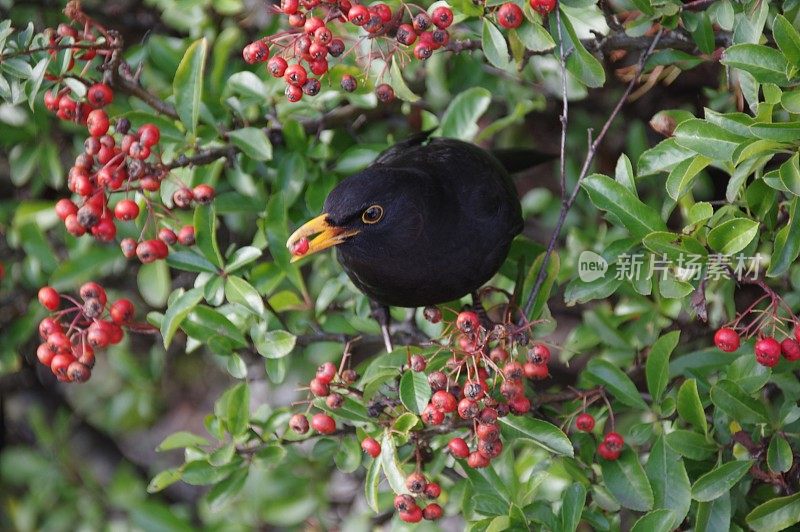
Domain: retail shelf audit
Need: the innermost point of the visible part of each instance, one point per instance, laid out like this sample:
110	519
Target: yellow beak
327	236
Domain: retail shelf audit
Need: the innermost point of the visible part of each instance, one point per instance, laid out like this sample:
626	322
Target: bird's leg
477	306
382	316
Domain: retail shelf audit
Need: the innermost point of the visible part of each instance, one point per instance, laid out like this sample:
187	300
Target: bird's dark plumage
449	213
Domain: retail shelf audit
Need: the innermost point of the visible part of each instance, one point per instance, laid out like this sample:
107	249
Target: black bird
427	222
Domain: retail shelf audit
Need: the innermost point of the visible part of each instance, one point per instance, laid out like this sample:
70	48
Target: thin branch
567	202
564	107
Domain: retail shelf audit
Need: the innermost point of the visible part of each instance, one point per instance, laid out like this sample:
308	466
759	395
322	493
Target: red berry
183	197
67	108
295	75
416	482
432	512
404	502
313	24
487	432
444	401
121	311
490	449
614	441
139	151
423	51
290	7
539	354
277	66
790	349
167	236
297	20
59	343
49	298
421	22
186	235
371	446
513	371
468	409
322	35
51	99
203	194
336	47
468	321
78	372
473	390
318	67
768	351
149	135
458	448
60	364
146	251
128	246
93	290
349	83
543	7
519	405
607	453
584	422
84	353
358	15
477	460
65	207
319	388
97	123
100	95
256	52
299	423
334	401
97	336
418	363
323	423
45	354
126	210
431	415
509	15
47	327
536	371
433	490
442	17
326	372
440	37
726	339
413	515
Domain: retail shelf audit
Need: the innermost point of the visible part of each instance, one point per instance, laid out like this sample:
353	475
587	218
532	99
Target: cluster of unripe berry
510	15
767	349
70	335
408	506
312	41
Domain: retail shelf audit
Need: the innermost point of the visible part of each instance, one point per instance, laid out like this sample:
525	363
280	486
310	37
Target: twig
564	107
567	202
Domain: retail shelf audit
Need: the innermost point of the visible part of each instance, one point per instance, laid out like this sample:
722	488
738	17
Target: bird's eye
372	215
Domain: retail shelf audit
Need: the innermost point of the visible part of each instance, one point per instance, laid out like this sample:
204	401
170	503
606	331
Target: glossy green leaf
187	86
692	445
415	392
542	433
371	482
154	283
657	367
391	468
181	439
238	408
401	89
669	481
239	291
626	480
460	119
689	406
164	479
719	480
205	226
494	45
348	454
788	39
177	312
639	219
765	64
776	514
714	515
787	243
708	139
535	37
655	521
574	498
253	142
603	372
580	63
779	454
732	236
731	399
275	344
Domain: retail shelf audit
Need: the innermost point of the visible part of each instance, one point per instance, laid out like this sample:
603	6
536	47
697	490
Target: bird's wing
391	154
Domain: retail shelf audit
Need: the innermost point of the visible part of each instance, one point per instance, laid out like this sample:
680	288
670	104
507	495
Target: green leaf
675	246
460	119
490	494
187	85
253	142
787	243
547	285
715	515
494	45
692	445
189	261
391	468
224	490
627	482
580	63
415	392
655	521
177	312
731	399
681	178
348	455
608	195
765	64
542	433
274	344
719	480
154	283
574	499
179	440
779	454
732	236
657	368
371	482
205	226
775	514
662	157
164	479
669	481
535	37
787	39
241	257
603	372
238	409
401	89
237	290
689	406
707	139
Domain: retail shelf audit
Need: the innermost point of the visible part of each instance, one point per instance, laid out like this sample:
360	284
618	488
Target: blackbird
428	222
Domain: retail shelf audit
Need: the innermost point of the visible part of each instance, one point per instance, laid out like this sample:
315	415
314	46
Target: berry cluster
408	507
767	349
70	335
329	385
510	15
312	41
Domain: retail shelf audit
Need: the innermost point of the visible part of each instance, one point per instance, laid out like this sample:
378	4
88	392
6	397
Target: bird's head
366	212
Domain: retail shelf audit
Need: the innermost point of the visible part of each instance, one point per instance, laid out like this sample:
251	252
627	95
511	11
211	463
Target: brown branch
567	202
